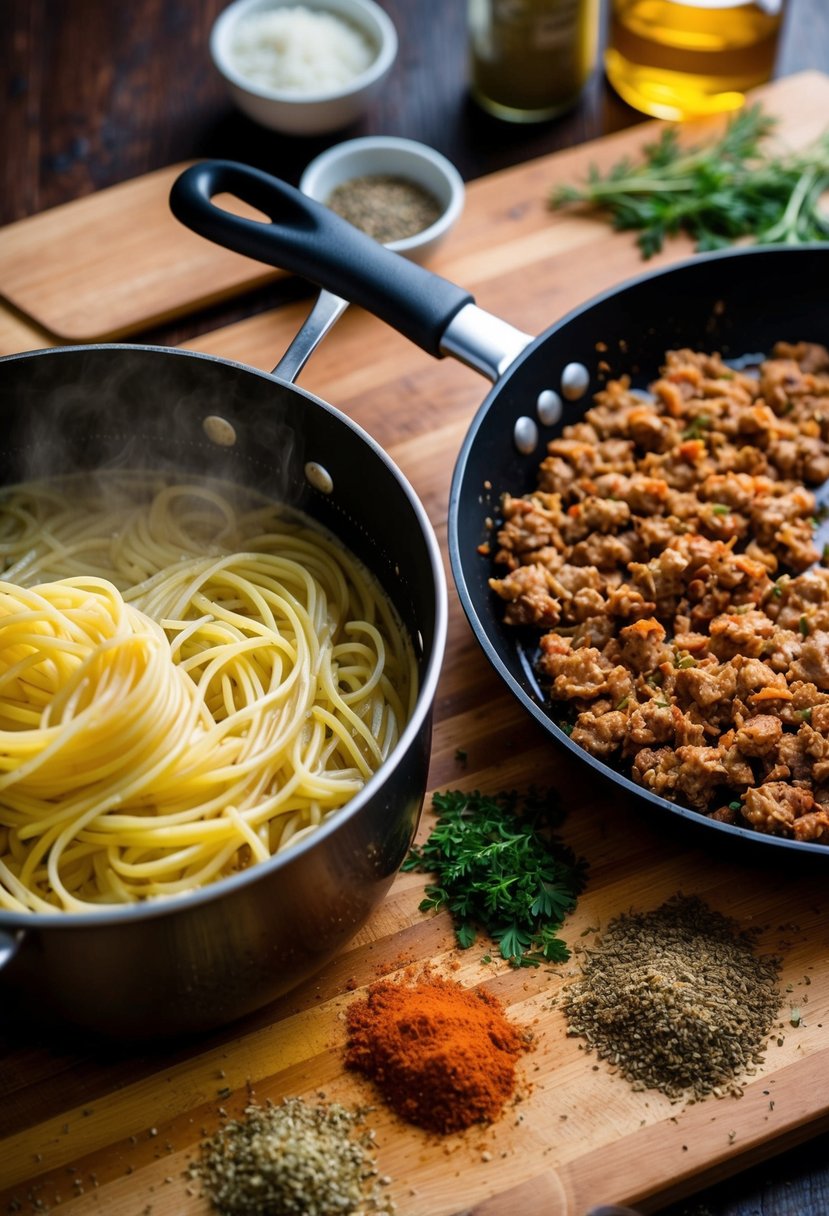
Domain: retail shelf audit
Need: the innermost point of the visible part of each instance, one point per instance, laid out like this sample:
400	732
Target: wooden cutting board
104	266
93	1128
113	263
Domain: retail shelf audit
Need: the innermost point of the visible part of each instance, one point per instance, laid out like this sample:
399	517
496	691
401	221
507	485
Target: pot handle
308	239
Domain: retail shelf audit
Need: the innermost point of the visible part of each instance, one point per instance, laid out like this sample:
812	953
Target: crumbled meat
643	644
668	559
601	734
813	663
759	735
580	673
778	808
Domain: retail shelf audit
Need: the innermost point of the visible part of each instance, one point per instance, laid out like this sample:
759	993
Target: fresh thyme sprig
717	192
499	866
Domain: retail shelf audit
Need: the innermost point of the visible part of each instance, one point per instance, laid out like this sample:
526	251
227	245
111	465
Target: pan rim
109	916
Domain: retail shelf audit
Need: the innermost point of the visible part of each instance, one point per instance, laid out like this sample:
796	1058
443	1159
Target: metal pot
737	302
204	959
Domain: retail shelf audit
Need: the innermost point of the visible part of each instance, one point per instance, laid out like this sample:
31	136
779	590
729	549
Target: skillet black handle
312	241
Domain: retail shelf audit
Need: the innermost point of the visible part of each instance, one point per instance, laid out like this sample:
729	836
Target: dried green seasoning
676	999
294	1159
388	208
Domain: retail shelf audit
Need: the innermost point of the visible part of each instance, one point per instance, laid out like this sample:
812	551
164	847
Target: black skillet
738	302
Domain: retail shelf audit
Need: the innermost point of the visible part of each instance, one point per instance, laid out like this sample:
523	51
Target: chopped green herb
717	191
719	508
499	866
735	806
623	703
686	661
696	426
803	625
805	715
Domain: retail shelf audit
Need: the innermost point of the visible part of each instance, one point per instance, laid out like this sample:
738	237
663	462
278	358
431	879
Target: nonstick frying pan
737	302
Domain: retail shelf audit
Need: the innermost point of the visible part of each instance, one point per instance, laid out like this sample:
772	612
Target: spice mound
443	1056
677	999
388	208
293	1159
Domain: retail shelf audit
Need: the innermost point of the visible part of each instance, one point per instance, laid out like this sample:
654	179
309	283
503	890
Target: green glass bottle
530	59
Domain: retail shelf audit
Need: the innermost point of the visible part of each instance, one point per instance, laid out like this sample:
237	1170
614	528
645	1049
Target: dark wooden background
93	92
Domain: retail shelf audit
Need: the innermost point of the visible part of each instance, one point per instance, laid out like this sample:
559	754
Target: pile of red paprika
443	1056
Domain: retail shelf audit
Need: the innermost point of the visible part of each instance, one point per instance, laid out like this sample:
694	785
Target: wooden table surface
94	93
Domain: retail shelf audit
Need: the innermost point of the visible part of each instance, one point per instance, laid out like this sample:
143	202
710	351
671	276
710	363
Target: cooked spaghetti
186	687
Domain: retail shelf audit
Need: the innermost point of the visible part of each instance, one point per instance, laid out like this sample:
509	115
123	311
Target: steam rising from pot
124	419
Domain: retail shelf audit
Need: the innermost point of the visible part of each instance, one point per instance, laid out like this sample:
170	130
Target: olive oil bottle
530	59
679	58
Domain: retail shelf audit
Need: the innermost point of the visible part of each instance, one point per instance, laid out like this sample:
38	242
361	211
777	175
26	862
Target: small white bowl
388	155
306	113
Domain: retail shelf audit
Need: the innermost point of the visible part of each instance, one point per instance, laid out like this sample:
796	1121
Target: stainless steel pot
197	961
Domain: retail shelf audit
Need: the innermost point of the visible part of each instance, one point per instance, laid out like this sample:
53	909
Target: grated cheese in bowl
296	49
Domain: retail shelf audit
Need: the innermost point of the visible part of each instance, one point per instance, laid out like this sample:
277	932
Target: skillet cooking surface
738	303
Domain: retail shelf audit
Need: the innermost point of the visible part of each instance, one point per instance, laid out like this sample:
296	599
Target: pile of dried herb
499	866
295	1159
719	191
676	999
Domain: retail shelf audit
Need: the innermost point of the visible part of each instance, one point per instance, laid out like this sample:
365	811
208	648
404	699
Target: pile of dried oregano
676	999
296	1159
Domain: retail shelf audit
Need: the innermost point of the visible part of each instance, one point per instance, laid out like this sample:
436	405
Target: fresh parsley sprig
499	866
718	192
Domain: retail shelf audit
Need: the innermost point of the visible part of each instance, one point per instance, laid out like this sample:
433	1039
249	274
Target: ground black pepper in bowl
676	999
388	208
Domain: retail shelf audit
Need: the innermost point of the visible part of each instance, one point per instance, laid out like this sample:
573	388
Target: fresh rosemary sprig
717	192
498	866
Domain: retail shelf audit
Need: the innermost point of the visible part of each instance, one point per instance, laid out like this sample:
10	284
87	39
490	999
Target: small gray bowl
388	155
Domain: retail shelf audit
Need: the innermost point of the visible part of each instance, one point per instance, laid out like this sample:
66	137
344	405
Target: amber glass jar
679	58
530	59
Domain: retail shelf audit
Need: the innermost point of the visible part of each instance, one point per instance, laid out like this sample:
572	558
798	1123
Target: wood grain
110	1130
118	261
